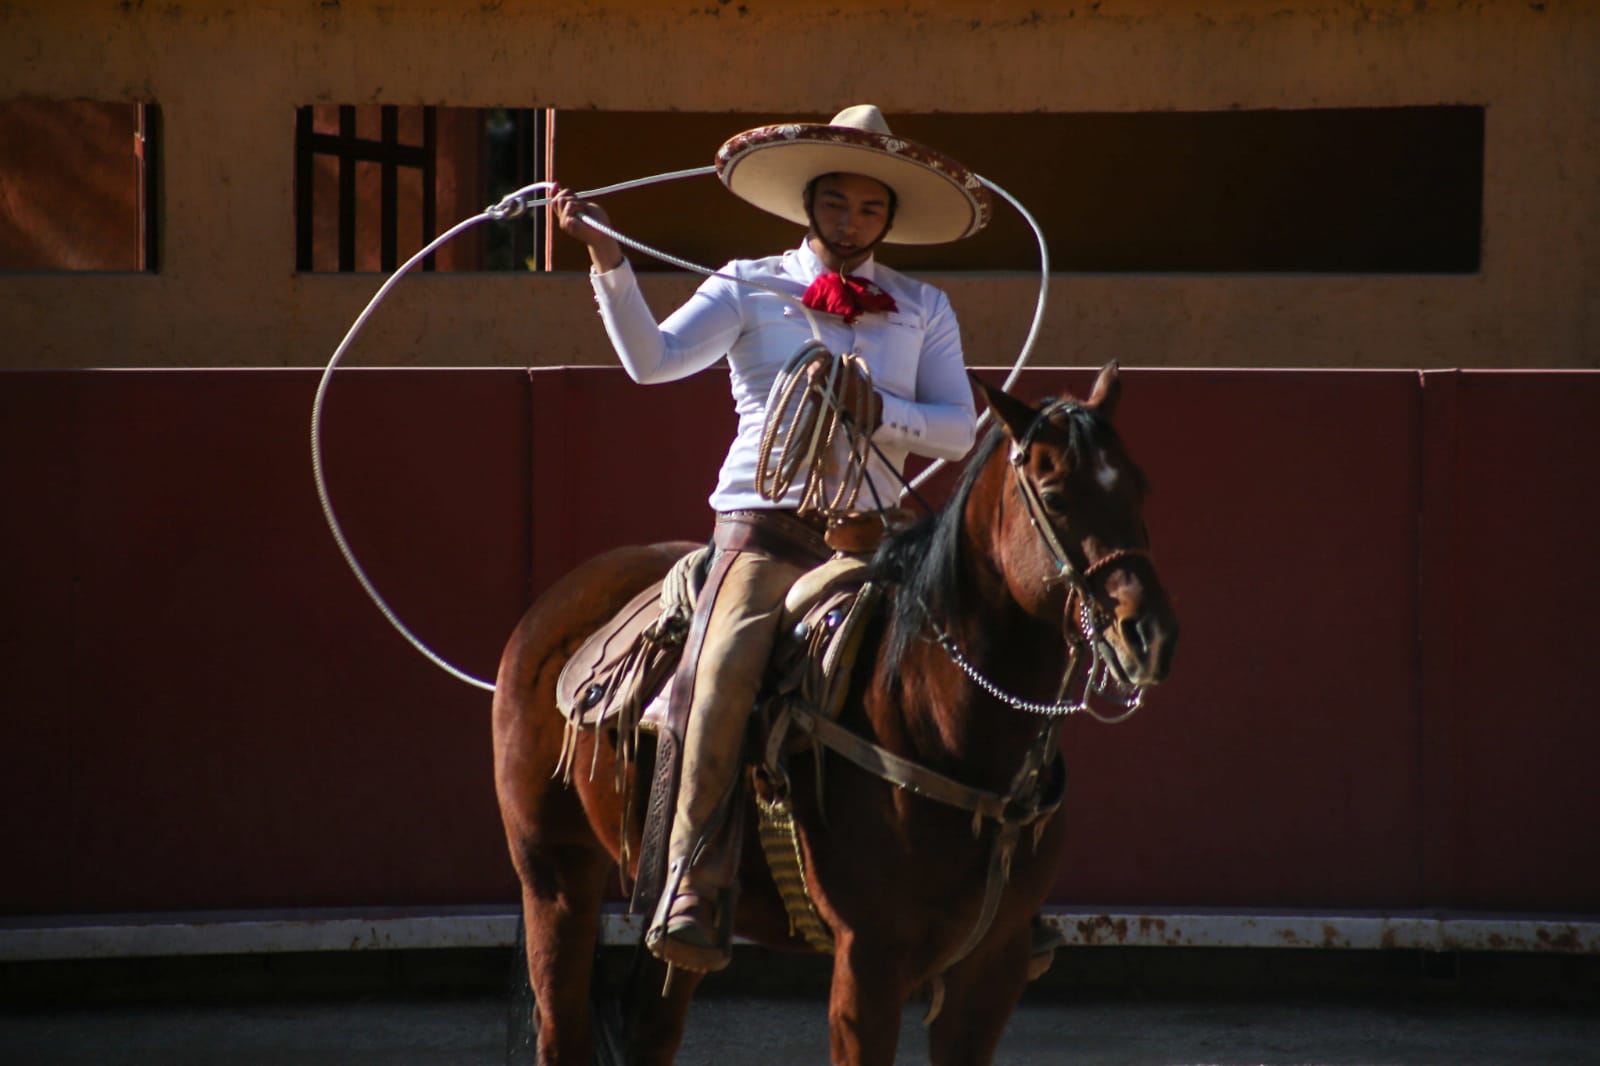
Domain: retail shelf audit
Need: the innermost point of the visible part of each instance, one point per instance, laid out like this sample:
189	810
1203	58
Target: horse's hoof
1042	948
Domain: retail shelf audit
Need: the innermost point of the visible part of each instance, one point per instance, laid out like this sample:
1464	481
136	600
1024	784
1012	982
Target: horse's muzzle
1142	646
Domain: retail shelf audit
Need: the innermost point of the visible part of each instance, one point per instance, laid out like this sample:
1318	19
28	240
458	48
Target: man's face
849	212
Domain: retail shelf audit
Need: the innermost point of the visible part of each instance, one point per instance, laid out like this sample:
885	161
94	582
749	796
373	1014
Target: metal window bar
147	149
533	128
430	182
303	200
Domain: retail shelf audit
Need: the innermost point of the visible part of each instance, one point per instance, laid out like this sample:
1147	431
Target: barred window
375	183
1331	190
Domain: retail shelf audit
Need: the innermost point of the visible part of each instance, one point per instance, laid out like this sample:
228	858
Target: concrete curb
387	929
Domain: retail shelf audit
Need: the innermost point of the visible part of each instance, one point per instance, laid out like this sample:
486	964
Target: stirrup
689	931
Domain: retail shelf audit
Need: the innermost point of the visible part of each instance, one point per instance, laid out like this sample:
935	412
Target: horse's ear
1107	391
1012	413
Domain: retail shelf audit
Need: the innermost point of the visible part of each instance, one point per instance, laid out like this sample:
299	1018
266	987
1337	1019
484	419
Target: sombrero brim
939	200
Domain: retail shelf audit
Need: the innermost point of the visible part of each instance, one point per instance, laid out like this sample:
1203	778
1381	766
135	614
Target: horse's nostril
1161	638
1133	635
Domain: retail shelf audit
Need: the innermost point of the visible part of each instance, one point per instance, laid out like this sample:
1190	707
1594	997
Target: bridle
1099	679
1067	572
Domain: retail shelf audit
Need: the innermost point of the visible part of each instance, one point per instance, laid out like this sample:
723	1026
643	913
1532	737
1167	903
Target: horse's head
1070	539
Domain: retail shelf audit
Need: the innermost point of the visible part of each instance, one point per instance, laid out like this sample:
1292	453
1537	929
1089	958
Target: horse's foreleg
980	994
561	891
864	1005
657	1011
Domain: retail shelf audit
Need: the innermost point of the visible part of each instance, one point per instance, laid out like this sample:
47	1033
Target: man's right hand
572	216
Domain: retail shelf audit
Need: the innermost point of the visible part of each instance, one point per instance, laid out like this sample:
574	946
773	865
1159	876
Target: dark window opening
80	184
1349	190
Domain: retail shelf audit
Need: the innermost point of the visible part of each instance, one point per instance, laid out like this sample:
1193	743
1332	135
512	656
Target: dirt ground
1109	1010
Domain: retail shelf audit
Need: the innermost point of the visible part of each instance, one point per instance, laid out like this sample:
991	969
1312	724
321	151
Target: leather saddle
618	677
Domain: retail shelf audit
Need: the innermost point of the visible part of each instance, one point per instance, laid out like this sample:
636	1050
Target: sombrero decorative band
938	199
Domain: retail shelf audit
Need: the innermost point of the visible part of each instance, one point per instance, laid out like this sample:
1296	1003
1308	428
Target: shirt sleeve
692	338
941	420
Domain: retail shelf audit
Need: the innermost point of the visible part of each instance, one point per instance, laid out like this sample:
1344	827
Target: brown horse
1038	564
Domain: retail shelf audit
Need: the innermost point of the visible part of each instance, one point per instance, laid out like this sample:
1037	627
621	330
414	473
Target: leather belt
781	534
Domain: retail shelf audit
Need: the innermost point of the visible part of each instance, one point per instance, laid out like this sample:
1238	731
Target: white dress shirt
914	354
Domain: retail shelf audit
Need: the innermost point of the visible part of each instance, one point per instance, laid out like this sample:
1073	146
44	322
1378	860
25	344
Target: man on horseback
900	380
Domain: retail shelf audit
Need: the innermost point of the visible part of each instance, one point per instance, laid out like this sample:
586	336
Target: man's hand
854	391
572	216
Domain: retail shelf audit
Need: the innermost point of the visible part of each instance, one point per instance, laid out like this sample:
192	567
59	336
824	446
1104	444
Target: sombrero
937	199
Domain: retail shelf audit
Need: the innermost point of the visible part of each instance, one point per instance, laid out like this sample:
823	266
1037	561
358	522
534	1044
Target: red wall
1381	700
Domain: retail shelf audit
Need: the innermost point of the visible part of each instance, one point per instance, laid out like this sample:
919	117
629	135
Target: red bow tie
839	295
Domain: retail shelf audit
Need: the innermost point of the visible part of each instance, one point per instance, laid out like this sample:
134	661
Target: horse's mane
923	562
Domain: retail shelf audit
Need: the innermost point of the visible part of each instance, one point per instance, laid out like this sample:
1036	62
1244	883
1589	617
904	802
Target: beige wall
228	77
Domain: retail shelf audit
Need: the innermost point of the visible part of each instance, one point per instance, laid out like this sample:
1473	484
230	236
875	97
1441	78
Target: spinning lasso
515	205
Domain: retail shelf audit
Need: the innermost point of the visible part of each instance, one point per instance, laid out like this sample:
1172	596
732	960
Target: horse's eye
1055	501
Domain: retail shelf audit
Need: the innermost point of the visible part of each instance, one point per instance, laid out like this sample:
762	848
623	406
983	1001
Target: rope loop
519	203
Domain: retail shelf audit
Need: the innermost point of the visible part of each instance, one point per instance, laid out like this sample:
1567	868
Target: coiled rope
808	408
519	203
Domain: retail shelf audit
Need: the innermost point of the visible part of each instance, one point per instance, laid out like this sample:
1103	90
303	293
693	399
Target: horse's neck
947	718
1017	651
